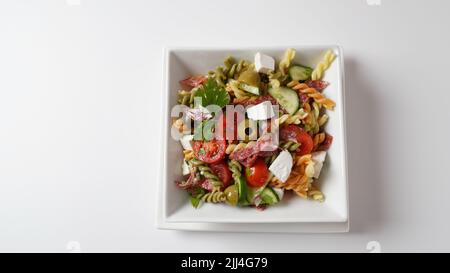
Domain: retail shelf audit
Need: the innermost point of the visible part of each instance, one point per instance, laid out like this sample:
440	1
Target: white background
80	87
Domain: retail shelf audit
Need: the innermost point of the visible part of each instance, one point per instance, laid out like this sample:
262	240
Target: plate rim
161	220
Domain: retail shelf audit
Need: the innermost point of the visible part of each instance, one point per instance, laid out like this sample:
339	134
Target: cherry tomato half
258	174
209	151
294	133
222	171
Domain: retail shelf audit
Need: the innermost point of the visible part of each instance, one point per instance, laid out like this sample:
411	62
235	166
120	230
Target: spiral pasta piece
322	119
186	97
236	69
220	76
316	109
235	168
296	182
181	126
316	194
233	70
284	64
302	160
318	139
241	145
206	172
318	97
188	154
323	65
300	178
292	119
230	70
214	197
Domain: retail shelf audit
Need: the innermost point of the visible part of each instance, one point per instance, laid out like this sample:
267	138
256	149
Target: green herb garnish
196	197
212	93
195	201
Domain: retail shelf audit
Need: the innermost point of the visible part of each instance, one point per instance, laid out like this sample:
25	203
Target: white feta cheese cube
186	141
264	63
318	158
282	166
261	111
185	168
279	192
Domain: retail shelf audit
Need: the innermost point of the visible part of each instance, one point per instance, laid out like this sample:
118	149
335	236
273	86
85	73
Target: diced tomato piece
294	133
223	172
194	81
258	174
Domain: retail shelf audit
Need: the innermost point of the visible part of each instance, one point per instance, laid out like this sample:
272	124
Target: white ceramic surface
174	203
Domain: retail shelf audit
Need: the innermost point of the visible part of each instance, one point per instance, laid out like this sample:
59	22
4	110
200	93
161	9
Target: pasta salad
251	131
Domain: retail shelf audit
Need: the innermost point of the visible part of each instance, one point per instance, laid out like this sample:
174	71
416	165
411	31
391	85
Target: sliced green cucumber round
300	73
249	88
242	189
251	194
286	97
269	196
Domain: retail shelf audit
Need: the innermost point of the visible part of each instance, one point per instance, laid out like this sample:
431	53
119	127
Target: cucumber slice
251	194
300	73
249	88
286	97
242	190
269	196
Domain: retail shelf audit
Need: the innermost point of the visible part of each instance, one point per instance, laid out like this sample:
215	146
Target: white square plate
174	208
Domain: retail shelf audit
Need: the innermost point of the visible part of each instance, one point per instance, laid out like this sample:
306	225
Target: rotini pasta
289	55
230	71
188	154
318	139
326	61
322	120
316	194
297	183
301	177
241	145
181	126
214	197
186	97
292	119
235	168
302	160
312	93
206	171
